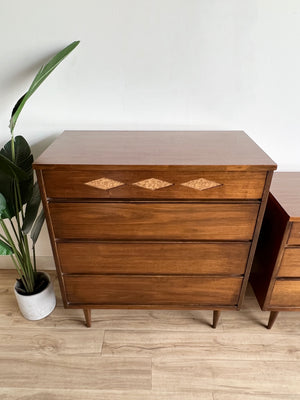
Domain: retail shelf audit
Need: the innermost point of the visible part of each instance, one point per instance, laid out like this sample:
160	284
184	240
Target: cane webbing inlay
153	184
201	184
104	183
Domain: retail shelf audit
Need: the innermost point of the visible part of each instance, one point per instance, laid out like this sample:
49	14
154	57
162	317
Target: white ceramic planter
37	306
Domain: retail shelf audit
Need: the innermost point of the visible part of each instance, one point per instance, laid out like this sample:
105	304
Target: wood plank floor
144	354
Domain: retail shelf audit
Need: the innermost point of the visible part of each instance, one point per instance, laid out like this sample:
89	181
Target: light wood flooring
147	355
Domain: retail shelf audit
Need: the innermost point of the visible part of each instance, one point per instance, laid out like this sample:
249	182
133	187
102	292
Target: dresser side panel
269	250
39	174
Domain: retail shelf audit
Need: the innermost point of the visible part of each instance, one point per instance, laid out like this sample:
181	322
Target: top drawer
142	184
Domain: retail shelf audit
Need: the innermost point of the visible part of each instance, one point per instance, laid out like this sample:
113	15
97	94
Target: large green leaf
3	203
23	162
5	249
23	154
8	168
43	73
32	208
35	231
4	212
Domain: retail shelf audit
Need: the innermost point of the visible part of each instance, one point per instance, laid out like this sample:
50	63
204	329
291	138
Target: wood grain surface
294	239
223	150
276	269
148	354
222	258
205	187
286	293
290	263
153	221
89	371
234	185
161	291
286	189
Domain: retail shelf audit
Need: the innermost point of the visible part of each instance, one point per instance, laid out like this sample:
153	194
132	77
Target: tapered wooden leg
216	317
88	317
272	318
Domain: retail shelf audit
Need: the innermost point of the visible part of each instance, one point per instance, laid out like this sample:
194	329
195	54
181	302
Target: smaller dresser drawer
290	263
153	258
286	293
170	184
294	238
153	221
151	290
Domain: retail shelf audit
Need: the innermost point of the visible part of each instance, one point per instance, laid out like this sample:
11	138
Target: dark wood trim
51	235
188	168
286	235
151	306
257	228
279	308
272	318
216	317
88	317
158	201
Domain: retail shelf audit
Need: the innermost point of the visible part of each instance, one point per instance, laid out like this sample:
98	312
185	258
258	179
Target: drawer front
294	238
153	221
153	258
286	293
290	264
151	290
172	184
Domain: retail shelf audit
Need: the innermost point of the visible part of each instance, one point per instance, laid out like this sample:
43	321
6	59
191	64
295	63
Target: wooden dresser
276	269
154	219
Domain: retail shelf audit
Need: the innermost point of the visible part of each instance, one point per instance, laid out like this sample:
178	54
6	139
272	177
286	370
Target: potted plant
20	219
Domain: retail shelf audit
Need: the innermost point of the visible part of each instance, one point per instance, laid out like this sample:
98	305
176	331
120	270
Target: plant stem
4	239
13	152
11	242
34	258
14	230
19	199
22	257
20	274
17	211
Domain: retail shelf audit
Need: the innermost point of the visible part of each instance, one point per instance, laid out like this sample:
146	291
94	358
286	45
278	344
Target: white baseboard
43	263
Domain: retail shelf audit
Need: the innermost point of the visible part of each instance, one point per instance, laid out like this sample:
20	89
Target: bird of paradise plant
20	199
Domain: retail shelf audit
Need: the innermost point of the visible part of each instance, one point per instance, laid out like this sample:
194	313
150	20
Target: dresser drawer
294	238
286	293
171	184
151	290
153	258
290	263
157	221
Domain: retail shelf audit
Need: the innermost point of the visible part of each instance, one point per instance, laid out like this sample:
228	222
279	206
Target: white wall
156	64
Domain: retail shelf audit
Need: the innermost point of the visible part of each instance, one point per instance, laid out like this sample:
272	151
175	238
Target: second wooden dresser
154	219
275	275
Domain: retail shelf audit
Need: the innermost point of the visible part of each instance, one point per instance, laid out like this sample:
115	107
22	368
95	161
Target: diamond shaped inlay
201	184
153	184
104	183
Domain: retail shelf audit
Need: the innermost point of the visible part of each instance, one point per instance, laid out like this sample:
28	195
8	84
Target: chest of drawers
275	276
154	219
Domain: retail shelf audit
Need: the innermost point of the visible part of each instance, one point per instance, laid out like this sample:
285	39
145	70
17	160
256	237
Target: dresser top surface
207	149
285	188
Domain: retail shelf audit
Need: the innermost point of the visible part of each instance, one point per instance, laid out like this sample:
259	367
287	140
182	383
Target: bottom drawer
286	293
151	290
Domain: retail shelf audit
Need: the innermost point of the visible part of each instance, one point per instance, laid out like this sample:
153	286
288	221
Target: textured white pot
37	306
